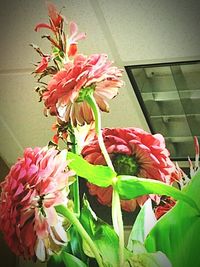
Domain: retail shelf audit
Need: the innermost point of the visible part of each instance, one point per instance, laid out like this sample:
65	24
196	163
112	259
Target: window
169	95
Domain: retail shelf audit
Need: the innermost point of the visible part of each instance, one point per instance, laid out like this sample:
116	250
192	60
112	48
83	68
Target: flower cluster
133	152
74	75
34	186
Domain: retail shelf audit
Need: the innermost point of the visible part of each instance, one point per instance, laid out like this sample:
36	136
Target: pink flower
55	20
74	38
133	152
34	186
63	97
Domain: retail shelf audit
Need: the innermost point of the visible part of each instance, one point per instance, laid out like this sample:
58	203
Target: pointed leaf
102	235
177	232
143	224
130	187
72	261
87	250
65	259
55	261
95	174
76	244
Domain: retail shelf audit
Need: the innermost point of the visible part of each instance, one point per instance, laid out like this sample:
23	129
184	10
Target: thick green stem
73	219
91	101
75	185
116	206
118	224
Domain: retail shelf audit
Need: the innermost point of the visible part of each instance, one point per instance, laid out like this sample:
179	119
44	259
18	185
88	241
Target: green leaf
95	174
177	232
140	257
87	250
157	259
102	235
130	187
76	244
55	261
88	218
107	241
72	261
143	224
65	259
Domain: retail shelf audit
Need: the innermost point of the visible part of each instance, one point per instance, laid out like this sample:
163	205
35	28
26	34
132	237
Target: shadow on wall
8	259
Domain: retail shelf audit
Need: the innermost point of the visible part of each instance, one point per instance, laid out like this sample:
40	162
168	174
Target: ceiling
129	31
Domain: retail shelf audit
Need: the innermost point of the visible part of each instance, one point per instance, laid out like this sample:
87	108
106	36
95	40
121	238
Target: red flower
34	185
133	152
55	139
164	207
55	20
43	64
63	97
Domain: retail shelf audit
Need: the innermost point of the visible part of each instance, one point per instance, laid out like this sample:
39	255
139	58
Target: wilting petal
40	250
51	216
60	232
74	36
73	29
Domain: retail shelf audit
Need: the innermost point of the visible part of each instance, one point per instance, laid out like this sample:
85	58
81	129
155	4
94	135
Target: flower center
125	164
40	205
40	201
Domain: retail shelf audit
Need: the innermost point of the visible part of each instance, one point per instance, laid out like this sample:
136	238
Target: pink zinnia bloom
133	152
34	186
62	97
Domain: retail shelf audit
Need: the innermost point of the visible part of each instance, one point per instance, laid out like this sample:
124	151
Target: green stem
75	185
116	206
118	224
73	219
91	101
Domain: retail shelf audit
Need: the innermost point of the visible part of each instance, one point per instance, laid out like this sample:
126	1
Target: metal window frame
137	90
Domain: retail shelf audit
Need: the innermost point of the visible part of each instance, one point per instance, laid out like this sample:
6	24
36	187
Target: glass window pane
169	95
